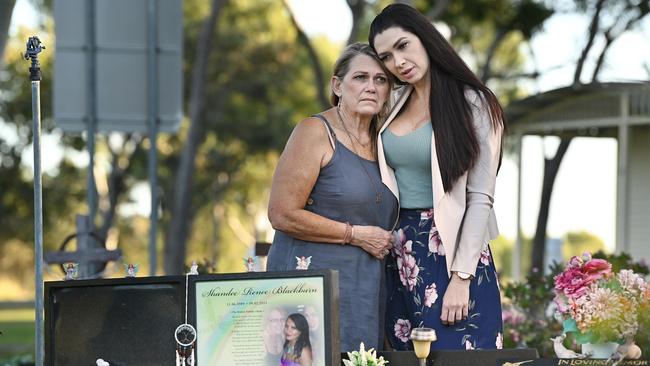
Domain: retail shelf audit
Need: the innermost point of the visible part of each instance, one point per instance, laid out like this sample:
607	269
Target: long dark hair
303	340
457	145
342	67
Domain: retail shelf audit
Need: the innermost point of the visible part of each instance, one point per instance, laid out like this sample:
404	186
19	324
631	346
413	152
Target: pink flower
581	272
468	345
408	271
430	295
426	215
485	255
512	316
435	244
561	305
499	341
516	337
575	262
572	282
402	246
595	269
403	330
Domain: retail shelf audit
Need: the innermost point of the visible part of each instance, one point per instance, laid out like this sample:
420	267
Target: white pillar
516	253
621	180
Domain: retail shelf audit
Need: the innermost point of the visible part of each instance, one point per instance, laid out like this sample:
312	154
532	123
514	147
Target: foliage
63	184
525	320
529	316
580	242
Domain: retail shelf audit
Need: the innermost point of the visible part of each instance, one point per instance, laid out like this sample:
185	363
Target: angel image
250	264
71	271
303	262
131	269
194	269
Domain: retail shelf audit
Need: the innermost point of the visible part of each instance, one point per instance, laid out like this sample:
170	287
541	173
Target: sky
585	190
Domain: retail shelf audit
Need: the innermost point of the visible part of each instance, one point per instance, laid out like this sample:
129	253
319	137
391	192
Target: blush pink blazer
464	216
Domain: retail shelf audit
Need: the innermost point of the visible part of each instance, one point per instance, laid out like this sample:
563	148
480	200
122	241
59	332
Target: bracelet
348	233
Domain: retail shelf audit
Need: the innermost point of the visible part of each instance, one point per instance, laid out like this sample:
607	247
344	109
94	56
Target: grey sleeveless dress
343	192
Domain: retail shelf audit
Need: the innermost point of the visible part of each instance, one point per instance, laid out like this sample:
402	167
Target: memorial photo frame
240	318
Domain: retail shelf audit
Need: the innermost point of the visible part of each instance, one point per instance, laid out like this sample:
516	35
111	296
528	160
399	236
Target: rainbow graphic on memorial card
241	322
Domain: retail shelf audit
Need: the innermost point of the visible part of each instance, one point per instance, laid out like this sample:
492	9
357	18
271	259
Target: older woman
327	199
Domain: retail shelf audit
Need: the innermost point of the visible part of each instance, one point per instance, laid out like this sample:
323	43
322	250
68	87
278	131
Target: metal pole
91	113
34	47
152	100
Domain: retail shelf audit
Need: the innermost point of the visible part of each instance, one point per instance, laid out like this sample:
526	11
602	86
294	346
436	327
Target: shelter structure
615	110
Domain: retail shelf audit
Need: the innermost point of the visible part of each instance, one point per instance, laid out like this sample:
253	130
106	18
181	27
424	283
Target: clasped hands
374	240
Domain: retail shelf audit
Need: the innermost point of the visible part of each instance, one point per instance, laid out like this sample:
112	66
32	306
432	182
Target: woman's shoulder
313	129
481	112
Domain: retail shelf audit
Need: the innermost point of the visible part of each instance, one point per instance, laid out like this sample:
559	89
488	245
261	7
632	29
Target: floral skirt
417	279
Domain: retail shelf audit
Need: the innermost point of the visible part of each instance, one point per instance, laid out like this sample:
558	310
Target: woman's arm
306	357
307	150
481	179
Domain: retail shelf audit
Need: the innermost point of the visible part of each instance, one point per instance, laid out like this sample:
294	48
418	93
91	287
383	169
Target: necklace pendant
378	198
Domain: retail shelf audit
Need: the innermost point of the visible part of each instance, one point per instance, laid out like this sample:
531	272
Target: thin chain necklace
350	134
354	148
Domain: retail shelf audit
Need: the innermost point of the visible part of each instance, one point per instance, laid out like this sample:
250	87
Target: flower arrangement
364	358
599	305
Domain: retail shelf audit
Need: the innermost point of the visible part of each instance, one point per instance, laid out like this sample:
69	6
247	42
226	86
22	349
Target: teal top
410	158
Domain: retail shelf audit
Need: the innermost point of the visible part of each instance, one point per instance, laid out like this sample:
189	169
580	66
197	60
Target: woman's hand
374	240
455	303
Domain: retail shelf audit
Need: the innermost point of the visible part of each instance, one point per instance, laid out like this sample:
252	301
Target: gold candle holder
422	338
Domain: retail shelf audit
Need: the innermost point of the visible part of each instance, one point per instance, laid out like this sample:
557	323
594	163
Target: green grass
17	338
17	332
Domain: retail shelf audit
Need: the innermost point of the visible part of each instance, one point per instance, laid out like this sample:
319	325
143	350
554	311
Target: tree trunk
313	56
6	9
356	7
486	70
593	30
181	217
116	182
551	167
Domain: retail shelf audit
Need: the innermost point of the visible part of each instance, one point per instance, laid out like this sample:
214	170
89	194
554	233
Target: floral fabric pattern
416	276
403	329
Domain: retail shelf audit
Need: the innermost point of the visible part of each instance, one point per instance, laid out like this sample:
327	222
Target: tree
492	23
6	9
257	88
184	180
620	17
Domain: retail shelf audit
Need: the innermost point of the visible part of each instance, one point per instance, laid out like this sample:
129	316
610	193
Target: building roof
589	109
